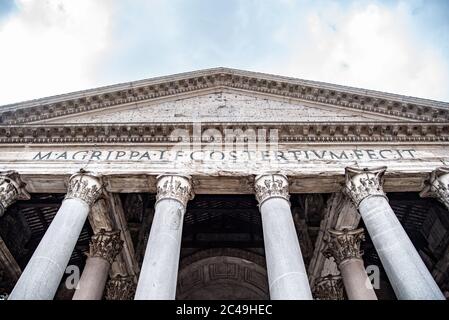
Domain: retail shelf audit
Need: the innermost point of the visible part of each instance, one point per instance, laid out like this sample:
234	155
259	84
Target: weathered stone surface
158	276
215	80
221	276
44	271
339	214
408	275
287	277
321	172
223	106
320	130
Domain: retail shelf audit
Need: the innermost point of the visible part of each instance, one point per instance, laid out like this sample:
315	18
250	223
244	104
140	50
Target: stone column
120	287
438	186
287	275
405	269
158	276
44	271
12	188
344	247
104	247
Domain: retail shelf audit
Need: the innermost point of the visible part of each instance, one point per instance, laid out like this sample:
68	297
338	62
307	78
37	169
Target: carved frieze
85	187
175	187
120	287
11	189
344	244
271	186
363	183
106	245
336	132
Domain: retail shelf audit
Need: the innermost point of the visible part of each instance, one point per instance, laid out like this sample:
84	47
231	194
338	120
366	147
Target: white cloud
52	47
370	46
49	47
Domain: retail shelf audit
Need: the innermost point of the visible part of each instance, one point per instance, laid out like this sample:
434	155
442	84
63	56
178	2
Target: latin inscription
231	155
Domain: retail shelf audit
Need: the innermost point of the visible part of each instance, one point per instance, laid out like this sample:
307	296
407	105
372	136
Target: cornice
292	132
146	90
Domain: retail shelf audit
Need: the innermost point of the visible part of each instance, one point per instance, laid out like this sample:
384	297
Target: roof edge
226	70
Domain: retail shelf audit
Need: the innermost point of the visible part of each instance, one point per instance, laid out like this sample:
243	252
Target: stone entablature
151	89
46	168
335	132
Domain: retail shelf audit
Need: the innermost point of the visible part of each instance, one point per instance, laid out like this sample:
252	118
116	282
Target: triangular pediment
222	106
224	95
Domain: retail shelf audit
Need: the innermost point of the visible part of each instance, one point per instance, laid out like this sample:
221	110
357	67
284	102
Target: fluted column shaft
44	271
287	275
344	247
159	273
405	269
104	247
12	188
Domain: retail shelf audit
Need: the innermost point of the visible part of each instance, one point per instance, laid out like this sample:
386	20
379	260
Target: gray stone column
405	269
344	247
44	271
287	275
438	186
12	188
104	247
120	287
158	276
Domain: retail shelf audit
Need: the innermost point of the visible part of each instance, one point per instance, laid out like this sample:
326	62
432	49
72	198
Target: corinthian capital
344	245
120	287
269	186
12	188
175	187
85	187
106	245
439	186
329	287
363	183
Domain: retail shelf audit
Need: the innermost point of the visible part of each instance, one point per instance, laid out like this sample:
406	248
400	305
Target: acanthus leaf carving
344	244
269	186
363	183
85	187
106	245
329	287
120	287
438	186
175	187
12	188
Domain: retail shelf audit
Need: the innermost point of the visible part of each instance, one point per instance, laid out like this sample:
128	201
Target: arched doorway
225	274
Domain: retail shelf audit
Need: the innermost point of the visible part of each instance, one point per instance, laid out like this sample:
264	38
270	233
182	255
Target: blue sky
49	47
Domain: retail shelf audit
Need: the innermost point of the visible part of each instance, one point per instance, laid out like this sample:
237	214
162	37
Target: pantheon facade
224	184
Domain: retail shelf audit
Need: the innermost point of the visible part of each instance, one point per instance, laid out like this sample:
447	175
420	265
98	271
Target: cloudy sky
49	47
